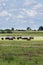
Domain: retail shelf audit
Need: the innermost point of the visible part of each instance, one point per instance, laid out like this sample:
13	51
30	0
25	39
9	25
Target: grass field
21	52
24	33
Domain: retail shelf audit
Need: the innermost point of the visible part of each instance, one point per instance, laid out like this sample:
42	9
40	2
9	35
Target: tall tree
12	29
40	28
28	28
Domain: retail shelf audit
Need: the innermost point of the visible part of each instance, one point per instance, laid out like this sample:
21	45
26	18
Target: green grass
21	52
24	33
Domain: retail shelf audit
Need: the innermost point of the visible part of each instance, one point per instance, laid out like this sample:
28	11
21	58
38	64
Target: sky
21	14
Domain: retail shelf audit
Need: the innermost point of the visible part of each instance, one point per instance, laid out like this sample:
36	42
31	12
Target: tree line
7	30
12	30
39	29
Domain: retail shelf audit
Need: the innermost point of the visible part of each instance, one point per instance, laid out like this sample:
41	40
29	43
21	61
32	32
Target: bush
8	31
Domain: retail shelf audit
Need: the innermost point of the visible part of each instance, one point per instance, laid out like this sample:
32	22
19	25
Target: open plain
22	52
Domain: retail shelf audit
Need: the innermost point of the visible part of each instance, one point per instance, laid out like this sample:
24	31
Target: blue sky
21	14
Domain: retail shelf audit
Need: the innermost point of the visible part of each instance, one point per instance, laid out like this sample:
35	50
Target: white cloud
21	12
29	2
4	4
36	11
39	9
2	1
7	18
31	13
38	6
31	22
20	16
4	13
15	9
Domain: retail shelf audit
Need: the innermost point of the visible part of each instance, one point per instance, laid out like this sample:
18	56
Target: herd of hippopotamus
18	37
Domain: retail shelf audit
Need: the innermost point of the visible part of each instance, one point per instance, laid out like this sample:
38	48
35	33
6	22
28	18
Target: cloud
29	2
31	22
20	16
4	4
1	1
39	9
38	6
4	13
7	18
31	13
36	11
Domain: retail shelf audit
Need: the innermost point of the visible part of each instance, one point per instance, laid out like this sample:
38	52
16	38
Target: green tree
28	28
8	31
12	29
40	28
2	31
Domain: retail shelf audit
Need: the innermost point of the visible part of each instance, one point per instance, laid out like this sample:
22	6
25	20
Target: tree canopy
40	28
